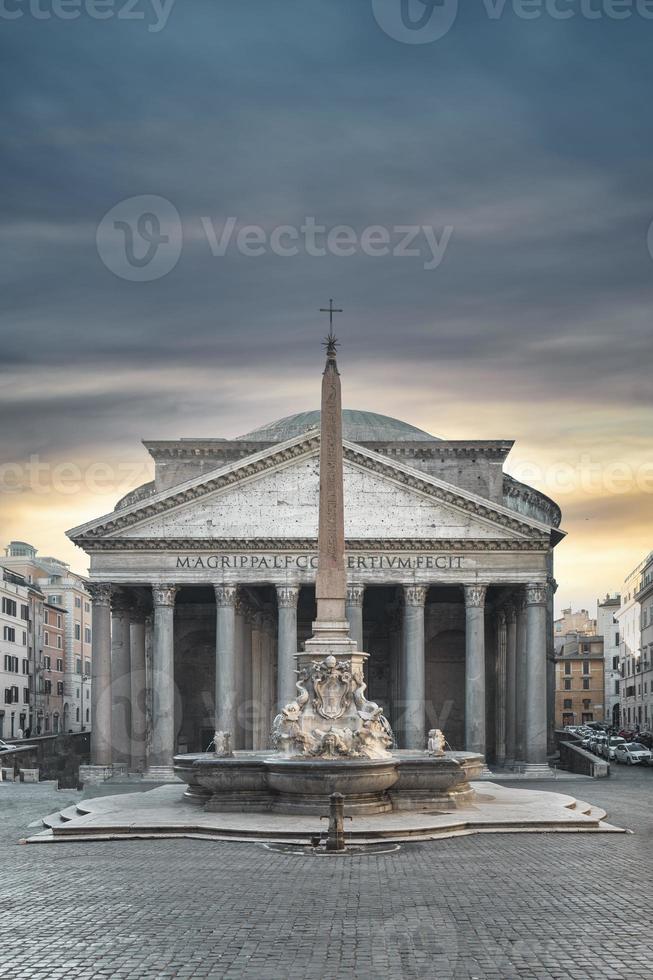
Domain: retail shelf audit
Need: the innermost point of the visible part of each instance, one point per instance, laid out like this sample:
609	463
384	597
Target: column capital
164	594
511	613
100	593
501	617
415	595
355	594
475	596
287	596
536	594
226	595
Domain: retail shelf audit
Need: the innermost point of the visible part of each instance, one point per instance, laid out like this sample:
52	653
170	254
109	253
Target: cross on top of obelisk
331	342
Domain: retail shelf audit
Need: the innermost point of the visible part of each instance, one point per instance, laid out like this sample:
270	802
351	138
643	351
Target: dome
357	427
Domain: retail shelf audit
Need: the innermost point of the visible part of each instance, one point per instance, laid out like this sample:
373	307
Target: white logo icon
415	21
140	239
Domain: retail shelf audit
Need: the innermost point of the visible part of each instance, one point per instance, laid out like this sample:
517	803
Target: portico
204	591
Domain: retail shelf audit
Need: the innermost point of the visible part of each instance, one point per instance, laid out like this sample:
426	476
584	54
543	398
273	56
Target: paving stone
495	907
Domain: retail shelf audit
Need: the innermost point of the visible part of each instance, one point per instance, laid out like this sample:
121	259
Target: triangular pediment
274	495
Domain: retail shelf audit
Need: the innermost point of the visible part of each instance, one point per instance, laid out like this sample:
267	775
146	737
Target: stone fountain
330	739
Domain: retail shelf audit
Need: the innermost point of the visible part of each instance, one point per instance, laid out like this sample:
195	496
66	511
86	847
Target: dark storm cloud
530	139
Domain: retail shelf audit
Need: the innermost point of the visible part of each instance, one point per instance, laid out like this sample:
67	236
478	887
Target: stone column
244	712
160	761
149	695
500	691
414	667
354	612
269	673
258	681
520	684
535	742
511	677
225	660
101	677
475	668
287	596
120	679
138	689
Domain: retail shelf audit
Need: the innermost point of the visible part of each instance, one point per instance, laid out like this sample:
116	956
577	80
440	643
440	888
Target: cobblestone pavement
491	907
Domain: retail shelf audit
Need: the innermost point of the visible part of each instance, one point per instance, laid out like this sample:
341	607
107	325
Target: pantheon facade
450	581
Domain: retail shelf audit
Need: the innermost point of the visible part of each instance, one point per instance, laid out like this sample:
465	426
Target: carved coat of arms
332	683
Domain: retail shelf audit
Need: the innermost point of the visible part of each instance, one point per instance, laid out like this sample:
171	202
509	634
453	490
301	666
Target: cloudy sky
514	153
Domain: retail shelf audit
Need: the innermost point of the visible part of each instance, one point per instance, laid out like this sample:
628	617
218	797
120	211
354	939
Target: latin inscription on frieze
308	562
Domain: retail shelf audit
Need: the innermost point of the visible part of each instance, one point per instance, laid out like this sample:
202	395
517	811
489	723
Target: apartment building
636	647
608	628
579	670
65	594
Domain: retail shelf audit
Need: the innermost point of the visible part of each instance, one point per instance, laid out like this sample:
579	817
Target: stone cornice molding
287	596
475	596
100	593
164	594
355	594
214	545
536	594
282	454
226	595
415	595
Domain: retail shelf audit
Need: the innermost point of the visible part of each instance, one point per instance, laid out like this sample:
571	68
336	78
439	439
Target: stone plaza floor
487	907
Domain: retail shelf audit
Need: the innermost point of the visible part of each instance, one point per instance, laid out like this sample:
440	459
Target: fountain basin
304	785
264	781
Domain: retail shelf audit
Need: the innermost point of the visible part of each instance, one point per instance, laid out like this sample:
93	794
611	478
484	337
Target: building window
587	716
567	668
47	686
78	602
46	639
78	631
54	600
586	683
25	666
615	663
9	606
568	718
587	703
88	716
60	687
78	666
58	621
87	635
77	715
87	607
586	667
26	695
87	667
59	642
47	663
11	664
568	703
24	638
59	665
24	612
567	684
9	634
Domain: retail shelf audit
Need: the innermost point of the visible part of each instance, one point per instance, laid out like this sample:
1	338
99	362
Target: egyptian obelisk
331	582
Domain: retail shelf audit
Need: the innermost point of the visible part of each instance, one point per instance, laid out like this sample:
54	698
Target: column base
160	774
94	775
533	769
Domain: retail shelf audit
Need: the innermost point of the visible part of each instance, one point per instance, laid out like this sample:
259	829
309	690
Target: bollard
336	834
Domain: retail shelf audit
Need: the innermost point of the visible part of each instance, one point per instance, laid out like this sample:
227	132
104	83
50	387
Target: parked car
608	746
632	753
595	743
6	747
